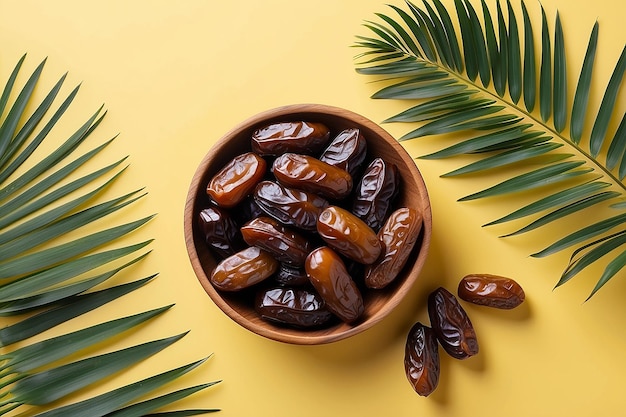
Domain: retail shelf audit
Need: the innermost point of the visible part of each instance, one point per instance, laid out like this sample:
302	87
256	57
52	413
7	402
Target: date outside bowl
378	303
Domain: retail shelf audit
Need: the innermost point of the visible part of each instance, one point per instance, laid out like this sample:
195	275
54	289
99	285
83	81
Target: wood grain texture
378	303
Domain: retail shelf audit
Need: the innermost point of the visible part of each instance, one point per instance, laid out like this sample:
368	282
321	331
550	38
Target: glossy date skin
290	275
220	231
348	235
397	236
290	206
230	185
284	244
328	275
375	192
491	291
243	269
300	137
451	324
346	151
310	174
421	359
297	307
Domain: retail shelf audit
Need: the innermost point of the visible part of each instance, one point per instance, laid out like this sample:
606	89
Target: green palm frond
55	267
112	401
507	91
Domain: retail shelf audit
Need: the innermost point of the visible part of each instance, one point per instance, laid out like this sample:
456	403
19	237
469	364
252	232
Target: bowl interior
378	303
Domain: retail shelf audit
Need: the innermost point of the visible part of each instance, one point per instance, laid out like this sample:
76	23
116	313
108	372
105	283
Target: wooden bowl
378	303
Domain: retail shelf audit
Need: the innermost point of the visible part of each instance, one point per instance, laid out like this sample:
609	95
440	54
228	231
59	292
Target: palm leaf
144	407
50	385
41	283
498	53
584	85
564	211
183	413
545	71
111	401
514	58
560	198
49	257
506	158
69	308
48	277
598	133
529	83
37	355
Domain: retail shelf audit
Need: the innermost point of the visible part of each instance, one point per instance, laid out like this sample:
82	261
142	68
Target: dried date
451	324
284	244
346	151
310	174
243	269
220	231
299	137
348	235
375	192
290	275
236	179
328	274
398	236
289	206
297	307
421	359
491	290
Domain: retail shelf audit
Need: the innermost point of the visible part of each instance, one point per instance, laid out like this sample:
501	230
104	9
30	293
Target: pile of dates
305	221
451	327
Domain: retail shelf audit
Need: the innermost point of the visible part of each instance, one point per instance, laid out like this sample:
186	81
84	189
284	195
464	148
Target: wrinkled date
284	244
292	306
310	174
398	236
299	137
491	290
375	192
346	151
348	235
220	231
243	269
291	207
236	179
451	324
331	280
421	359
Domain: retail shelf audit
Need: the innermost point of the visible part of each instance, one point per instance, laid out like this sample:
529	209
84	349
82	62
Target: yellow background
175	76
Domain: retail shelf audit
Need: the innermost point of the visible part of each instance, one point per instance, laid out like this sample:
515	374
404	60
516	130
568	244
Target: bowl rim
319	337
